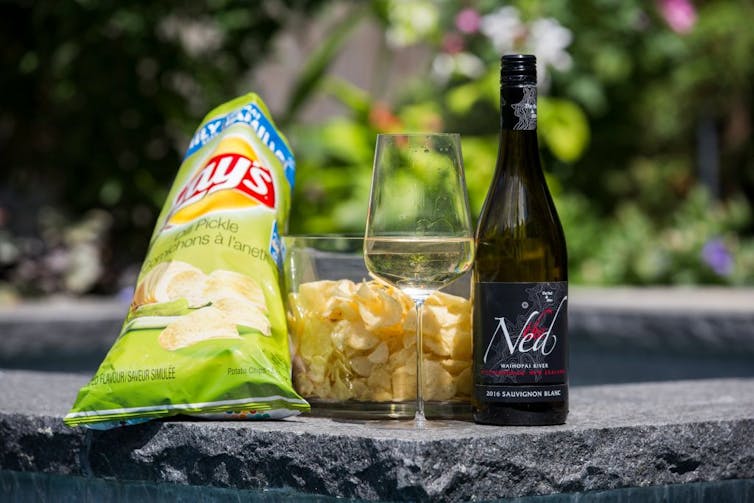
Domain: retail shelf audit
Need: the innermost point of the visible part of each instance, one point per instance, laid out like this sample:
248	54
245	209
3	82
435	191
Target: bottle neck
518	128
518	107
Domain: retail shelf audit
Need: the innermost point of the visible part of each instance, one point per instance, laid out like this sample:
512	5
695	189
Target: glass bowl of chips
353	338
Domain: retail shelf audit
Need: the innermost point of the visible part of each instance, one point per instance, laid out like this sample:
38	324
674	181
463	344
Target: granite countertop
617	436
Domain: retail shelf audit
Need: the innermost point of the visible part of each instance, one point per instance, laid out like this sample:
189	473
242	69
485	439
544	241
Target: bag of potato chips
206	332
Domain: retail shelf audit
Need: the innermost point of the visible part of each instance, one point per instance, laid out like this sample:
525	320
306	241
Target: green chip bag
206	332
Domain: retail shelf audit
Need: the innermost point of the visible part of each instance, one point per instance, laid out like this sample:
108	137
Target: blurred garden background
646	111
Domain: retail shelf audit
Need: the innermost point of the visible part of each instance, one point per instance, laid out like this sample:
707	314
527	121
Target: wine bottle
520	274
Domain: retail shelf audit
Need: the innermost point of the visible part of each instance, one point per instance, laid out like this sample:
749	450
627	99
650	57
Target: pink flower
679	14
452	43
468	20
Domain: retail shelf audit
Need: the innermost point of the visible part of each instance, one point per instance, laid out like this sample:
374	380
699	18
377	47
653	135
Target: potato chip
378	309
405	356
315	340
356	335
305	384
379	395
340	388
361	365
317	369
396	341
222	284
340	308
434	318
170	281
453	303
360	389
380	380
344	288
464	382
435	346
144	293
409	322
459	342
201	325
404	383
380	354
455	367
312	295
438	383
187	285
245	313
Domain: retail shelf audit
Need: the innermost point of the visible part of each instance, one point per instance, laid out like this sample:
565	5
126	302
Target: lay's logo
226	172
228	180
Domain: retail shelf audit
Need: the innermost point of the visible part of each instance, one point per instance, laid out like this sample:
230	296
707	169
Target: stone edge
507	465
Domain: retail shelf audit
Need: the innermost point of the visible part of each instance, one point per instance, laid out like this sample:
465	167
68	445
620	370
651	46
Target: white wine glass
418	234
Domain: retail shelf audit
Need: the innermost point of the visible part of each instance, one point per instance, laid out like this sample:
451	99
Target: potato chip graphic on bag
207	326
244	313
201	325
170	281
223	284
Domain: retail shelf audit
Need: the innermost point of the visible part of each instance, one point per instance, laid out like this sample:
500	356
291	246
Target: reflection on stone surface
43	488
22	487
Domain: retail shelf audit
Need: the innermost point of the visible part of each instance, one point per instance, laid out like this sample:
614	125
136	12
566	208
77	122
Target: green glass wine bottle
520	293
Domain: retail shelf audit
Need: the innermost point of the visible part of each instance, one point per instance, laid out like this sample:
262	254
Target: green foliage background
98	99
619	132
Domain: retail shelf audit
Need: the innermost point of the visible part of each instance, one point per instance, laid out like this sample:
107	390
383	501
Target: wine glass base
411	424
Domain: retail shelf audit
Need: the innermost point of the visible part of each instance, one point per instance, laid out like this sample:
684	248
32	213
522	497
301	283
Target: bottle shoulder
516	200
519	234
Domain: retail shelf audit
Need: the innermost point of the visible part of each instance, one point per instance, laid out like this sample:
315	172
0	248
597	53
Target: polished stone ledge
685	321
617	436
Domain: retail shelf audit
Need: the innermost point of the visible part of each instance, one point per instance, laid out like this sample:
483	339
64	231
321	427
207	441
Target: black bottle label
520	346
518	107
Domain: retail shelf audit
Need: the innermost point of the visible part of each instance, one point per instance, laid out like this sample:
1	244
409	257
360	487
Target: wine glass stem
419	417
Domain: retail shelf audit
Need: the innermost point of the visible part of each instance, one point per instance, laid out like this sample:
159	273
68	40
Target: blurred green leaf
347	93
461	98
479	157
564	128
425	116
346	141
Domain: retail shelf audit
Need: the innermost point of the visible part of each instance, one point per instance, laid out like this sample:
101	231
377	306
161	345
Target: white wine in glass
418	234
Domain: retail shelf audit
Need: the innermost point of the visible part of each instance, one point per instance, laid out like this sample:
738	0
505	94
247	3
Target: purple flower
717	256
679	14
468	21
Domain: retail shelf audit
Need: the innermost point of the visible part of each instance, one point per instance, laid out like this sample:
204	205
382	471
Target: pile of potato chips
357	341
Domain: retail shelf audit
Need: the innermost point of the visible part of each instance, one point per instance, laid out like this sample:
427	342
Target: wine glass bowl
418	234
